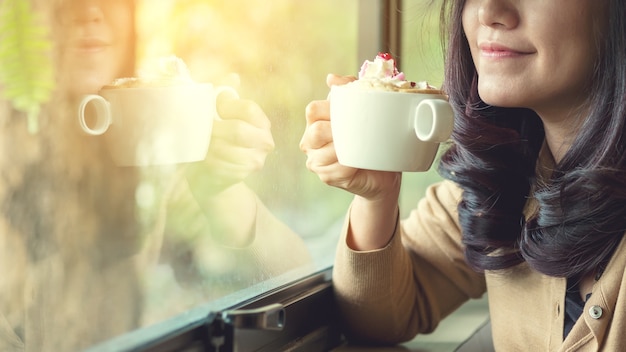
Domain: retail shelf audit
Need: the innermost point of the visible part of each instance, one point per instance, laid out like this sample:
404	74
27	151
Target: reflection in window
90	249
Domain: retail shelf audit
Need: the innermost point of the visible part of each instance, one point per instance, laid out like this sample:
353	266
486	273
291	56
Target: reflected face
536	54
97	42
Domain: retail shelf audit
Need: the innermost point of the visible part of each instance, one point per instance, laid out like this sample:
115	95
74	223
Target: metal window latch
270	317
221	330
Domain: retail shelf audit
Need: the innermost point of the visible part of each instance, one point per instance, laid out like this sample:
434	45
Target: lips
90	44
496	50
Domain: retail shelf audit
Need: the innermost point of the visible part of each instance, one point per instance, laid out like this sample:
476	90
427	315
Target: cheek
122	54
469	20
571	60
470	27
122	28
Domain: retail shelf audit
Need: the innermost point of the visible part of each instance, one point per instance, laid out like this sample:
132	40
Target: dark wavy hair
581	214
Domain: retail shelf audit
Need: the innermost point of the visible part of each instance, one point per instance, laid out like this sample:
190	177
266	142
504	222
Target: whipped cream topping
167	69
164	71
382	73
383	68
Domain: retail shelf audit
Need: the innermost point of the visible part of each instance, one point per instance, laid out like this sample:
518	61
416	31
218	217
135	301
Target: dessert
163	72
383	74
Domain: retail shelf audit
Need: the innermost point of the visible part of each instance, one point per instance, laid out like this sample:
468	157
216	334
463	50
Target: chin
87	83
86	79
84	88
499	98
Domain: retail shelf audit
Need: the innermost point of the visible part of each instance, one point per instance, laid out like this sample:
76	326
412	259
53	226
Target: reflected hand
240	142
317	143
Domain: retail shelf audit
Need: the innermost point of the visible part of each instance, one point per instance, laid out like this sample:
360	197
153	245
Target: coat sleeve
391	294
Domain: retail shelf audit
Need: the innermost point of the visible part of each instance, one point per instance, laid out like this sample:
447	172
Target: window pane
422	60
92	247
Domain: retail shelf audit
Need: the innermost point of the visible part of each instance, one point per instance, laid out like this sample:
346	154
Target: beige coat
391	294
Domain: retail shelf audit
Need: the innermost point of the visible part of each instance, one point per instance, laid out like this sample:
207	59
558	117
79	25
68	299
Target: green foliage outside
25	79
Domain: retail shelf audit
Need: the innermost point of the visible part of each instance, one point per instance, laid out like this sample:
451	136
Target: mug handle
103	114
433	120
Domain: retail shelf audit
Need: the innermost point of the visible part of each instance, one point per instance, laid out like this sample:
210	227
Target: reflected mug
388	130
153	125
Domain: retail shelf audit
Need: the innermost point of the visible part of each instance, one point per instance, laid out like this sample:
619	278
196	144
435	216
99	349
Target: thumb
335	80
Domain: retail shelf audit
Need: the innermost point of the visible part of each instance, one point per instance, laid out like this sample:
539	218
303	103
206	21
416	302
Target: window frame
308	310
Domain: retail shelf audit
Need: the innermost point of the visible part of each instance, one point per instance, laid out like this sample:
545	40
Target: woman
533	211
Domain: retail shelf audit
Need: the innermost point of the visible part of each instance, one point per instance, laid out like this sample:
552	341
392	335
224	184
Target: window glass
108	223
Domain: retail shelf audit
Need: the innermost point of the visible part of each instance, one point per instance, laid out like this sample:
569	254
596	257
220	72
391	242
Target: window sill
465	330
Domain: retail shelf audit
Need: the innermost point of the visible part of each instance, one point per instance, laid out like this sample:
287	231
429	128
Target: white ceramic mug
386	130
153	125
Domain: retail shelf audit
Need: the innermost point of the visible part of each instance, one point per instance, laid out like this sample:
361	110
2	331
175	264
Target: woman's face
97	42
537	54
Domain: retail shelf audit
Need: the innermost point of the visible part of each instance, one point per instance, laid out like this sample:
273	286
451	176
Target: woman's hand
317	143
374	209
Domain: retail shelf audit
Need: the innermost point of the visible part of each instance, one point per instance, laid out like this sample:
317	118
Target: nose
86	11
498	13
